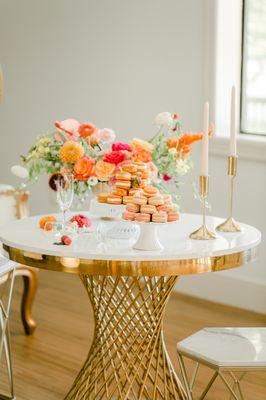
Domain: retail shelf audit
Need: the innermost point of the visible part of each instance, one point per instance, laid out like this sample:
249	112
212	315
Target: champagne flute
65	193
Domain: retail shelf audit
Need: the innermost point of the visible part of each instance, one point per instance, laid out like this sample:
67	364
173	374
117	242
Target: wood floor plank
46	363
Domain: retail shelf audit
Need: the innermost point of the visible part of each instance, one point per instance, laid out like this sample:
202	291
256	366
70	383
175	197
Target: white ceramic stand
148	238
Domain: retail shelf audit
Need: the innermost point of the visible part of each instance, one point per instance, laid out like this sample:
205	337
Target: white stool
7	274
232	351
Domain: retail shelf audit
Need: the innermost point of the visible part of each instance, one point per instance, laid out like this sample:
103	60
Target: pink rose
81	220
115	157
120	146
167	177
104	135
69	128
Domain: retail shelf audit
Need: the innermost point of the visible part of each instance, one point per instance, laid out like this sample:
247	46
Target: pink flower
115	157
167	177
69	128
116	146
104	135
81	220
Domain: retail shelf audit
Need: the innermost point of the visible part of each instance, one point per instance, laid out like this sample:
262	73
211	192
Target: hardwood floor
46	363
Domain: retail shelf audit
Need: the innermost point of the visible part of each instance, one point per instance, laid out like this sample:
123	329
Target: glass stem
64	217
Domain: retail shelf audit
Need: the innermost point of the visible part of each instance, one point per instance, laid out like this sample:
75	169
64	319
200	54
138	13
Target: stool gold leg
211	382
128	359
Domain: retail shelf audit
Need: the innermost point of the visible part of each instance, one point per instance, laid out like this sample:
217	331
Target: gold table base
128	359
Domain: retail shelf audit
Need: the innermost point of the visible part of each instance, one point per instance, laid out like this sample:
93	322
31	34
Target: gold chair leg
30	279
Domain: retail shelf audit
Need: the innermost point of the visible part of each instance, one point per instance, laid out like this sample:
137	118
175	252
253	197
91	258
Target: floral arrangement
171	152
89	153
92	155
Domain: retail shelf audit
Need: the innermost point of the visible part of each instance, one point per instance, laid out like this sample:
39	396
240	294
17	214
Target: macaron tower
151	206
129	182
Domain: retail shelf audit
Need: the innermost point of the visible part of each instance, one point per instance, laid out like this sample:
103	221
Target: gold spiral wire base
128	359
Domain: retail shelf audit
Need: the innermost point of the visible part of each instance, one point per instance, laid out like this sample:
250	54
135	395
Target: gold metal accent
21	201
128	358
235	373
203	233
134	268
230	225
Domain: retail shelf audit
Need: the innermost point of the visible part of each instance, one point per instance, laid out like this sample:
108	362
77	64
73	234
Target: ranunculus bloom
84	168
142	155
176	116
120	146
167	177
104	170
69	128
164	118
115	157
105	135
81	220
87	129
138	144
20	171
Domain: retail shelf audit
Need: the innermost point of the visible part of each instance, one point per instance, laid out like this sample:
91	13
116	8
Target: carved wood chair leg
30	279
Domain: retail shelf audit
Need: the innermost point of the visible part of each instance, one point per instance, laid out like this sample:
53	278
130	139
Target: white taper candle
205	142
232	150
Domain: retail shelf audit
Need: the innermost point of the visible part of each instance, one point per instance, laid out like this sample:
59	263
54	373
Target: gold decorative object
173	267
230	225
203	233
128	358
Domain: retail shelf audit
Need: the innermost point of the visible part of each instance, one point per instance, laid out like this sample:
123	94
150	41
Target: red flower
81	220
120	146
166	177
115	157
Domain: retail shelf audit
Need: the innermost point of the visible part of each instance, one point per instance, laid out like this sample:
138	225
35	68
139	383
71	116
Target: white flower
104	135
182	167
164	118
20	171
172	151
92	181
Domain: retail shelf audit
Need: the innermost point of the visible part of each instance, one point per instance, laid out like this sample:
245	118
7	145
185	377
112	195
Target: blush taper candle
232	150
205	142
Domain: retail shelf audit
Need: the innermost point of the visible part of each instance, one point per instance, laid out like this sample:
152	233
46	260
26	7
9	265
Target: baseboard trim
227	290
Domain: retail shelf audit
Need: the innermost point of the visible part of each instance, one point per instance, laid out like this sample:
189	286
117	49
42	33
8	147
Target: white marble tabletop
26	235
227	347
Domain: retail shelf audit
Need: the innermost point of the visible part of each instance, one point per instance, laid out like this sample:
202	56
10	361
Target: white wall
118	63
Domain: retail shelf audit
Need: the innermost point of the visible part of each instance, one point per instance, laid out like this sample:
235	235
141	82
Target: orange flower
138	144
84	168
142	155
87	129
71	152
172	142
104	170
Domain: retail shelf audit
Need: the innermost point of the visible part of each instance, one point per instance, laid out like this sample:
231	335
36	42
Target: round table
128	291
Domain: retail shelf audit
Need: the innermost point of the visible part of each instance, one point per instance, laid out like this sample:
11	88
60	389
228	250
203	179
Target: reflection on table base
127	359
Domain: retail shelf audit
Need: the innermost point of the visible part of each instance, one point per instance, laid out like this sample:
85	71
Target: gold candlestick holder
203	233
230	225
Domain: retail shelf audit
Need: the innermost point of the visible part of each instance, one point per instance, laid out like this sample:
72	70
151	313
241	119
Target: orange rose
104	170
142	155
84	168
138	144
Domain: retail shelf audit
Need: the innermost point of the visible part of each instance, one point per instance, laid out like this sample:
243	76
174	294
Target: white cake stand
148	238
